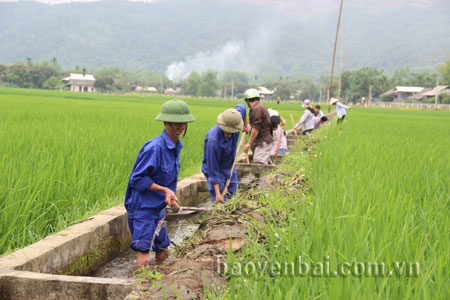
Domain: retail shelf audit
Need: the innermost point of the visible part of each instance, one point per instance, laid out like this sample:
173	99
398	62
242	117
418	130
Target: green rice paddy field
379	186
374	222
65	156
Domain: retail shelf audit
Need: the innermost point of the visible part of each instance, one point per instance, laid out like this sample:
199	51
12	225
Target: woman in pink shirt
278	132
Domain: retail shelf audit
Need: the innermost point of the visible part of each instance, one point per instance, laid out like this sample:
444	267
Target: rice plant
379	193
65	156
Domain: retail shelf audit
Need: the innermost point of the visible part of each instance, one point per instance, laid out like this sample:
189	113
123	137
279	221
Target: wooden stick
279	145
330	88
225	189
247	157
293	124
341	64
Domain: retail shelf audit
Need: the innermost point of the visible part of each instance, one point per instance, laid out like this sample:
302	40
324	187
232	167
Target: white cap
272	112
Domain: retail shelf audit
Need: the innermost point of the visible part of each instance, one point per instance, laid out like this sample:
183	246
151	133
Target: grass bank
370	221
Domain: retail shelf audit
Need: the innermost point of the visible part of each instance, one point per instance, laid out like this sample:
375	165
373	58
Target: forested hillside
152	36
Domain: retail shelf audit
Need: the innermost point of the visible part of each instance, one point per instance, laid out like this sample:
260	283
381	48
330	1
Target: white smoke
202	61
245	56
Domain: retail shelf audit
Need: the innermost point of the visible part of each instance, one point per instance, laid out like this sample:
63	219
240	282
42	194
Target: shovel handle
293	124
225	189
191	208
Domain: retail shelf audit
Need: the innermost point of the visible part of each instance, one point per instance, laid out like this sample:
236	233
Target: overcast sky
303	2
65	1
306	5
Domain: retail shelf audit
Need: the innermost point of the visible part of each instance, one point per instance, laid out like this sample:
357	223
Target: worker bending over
278	133
341	109
319	118
307	120
219	152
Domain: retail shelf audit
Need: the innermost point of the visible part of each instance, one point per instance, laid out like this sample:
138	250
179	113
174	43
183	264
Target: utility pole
225	92
370	94
162	86
330	88
340	67
436	95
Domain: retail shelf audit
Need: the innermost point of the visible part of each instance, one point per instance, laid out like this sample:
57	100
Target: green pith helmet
230	121
175	111
251	93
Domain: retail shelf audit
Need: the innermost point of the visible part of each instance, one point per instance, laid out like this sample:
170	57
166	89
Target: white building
437	91
400	93
265	93
169	91
150	89
80	82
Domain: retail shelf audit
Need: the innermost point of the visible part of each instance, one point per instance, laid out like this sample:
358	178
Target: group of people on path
312	118
153	180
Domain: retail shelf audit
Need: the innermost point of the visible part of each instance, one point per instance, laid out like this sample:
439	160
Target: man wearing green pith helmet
153	181
261	139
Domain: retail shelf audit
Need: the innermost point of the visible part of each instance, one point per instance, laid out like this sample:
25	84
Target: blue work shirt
157	162
219	153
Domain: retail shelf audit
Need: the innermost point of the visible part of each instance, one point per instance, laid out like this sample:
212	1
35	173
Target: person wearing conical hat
219	152
153	181
341	109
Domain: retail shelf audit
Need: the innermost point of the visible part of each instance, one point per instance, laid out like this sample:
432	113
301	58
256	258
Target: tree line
355	84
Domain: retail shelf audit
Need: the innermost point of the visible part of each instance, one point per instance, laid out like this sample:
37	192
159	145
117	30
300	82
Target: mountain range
264	37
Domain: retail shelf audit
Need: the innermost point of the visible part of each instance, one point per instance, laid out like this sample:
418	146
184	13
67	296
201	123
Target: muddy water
123	265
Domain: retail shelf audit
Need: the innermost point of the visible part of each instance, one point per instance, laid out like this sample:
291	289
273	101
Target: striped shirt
307	120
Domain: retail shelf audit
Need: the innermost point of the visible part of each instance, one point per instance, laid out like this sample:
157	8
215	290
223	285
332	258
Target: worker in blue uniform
220	150
153	181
